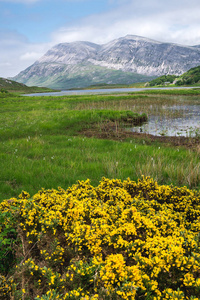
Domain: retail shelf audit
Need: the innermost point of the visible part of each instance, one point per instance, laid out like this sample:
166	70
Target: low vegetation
43	143
120	240
10	86
163	80
114	236
191	77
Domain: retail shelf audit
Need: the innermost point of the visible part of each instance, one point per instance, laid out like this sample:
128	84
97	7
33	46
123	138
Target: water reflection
188	124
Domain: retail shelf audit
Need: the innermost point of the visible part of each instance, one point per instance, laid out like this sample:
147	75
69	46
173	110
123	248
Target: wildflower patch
119	240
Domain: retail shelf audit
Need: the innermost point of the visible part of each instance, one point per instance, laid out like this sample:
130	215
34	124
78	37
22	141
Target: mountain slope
7	85
80	64
60	76
145	56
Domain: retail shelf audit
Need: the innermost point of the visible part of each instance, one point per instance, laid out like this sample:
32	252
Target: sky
29	28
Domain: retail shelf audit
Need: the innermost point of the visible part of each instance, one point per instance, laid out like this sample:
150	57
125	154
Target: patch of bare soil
113	131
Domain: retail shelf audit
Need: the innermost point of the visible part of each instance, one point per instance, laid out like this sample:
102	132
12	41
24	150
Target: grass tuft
41	143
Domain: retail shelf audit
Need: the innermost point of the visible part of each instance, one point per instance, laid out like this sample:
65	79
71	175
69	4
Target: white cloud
177	22
5	64
17	53
29	56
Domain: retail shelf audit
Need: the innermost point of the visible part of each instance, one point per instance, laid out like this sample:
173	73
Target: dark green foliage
4	91
162	80
7	239
190	77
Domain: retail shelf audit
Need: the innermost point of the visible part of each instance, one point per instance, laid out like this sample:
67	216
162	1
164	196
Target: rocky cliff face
79	64
145	56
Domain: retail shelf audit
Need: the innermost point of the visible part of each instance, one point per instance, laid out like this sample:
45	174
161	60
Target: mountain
125	60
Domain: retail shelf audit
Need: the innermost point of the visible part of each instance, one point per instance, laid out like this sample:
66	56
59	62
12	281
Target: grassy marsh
41	145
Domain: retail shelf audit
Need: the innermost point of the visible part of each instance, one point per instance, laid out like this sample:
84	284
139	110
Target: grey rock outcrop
122	60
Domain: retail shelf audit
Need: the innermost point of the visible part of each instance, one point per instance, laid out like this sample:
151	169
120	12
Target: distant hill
163	80
125	60
191	77
7	85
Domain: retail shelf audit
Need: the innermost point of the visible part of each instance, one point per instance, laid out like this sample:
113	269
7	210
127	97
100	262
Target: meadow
44	143
91	211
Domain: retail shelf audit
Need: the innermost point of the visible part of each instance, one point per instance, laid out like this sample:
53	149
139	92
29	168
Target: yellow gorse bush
119	240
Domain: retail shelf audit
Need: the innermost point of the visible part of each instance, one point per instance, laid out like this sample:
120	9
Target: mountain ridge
83	63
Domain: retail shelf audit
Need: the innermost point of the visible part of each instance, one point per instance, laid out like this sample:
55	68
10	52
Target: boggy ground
113	130
43	144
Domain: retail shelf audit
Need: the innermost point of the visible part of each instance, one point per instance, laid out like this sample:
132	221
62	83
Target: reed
41	145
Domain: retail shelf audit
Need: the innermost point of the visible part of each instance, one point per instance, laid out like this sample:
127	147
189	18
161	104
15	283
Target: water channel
100	91
187	125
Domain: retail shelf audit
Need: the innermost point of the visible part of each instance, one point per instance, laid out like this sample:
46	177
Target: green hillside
191	77
163	80
7	85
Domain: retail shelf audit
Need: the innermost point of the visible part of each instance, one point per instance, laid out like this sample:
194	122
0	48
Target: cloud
30	56
177	22
5	64
17	53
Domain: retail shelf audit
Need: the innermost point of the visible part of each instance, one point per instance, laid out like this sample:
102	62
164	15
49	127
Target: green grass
40	144
7	85
192	91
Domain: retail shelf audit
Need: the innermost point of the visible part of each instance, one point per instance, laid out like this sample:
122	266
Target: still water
100	91
187	125
86	92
